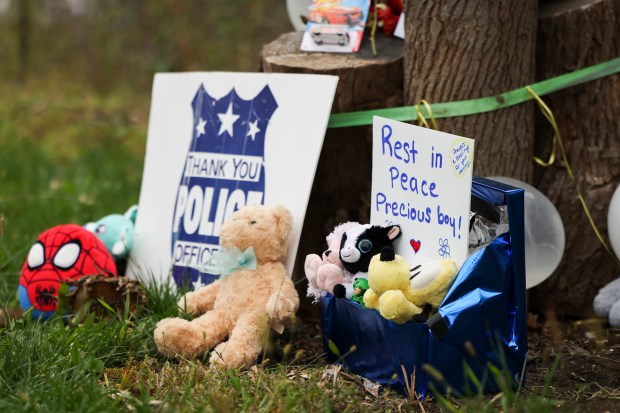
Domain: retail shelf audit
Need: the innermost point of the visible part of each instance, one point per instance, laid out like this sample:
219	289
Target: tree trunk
341	189
23	29
465	49
574	34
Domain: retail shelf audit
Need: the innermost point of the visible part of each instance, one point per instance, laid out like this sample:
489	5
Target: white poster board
421	180
216	142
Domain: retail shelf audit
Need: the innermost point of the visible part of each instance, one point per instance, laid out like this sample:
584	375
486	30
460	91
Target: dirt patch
576	363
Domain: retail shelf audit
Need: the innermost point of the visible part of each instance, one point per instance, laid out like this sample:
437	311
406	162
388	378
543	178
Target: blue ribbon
232	259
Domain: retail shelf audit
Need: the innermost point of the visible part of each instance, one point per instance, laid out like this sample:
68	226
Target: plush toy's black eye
364	245
252	222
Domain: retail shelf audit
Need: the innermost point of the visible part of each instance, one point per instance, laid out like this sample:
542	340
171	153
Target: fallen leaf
371	387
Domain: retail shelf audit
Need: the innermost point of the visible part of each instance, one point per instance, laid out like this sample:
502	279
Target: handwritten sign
218	142
421	180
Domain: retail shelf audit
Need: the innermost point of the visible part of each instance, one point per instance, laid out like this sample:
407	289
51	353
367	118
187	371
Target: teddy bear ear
284	220
394	232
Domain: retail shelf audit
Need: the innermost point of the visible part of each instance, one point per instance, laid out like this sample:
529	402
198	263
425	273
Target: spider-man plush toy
65	252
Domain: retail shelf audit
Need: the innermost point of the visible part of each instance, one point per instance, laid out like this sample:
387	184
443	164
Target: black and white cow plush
358	246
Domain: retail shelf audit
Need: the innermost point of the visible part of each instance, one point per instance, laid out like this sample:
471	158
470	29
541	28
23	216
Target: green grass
112	364
70	154
51	367
509	398
66	157
72	140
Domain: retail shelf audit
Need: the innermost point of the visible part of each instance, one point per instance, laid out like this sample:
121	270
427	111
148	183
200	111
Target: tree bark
342	184
572	35
465	49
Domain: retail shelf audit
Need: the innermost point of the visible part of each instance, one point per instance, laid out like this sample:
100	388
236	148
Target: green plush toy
360	285
116	233
400	293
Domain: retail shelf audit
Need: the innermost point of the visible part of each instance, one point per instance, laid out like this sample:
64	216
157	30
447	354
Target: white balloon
544	233
296	8
613	222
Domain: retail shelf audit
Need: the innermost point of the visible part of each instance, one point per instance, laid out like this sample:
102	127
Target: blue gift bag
481	321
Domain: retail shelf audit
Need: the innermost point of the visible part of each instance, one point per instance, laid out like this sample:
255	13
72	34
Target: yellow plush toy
238	309
400	293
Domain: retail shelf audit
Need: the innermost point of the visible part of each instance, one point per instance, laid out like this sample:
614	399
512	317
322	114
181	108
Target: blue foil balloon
481	321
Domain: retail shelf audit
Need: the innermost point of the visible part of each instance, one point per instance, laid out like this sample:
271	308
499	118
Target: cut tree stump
365	82
572	35
466	49
341	189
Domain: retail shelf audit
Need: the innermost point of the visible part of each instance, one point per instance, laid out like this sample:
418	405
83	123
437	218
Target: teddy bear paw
279	308
187	306
311	266
177	337
223	356
328	276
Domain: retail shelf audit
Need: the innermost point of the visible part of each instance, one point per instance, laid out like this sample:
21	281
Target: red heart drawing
415	245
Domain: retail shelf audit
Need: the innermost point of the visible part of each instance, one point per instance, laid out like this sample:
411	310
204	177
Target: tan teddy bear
241	306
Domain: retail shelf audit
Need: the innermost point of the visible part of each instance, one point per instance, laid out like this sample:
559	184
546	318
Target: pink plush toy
324	272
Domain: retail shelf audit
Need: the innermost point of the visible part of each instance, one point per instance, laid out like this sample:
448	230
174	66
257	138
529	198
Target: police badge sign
224	170
217	142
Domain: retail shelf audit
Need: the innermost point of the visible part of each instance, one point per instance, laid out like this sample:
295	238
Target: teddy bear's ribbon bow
231	259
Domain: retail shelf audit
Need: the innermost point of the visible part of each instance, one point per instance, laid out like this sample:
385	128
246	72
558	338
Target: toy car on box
330	34
335	26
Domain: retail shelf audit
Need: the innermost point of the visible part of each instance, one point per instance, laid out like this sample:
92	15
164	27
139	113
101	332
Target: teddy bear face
265	229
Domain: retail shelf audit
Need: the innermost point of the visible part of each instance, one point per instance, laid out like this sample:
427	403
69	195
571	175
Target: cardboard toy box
481	321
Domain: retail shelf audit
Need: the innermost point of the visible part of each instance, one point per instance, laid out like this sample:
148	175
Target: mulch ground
584	358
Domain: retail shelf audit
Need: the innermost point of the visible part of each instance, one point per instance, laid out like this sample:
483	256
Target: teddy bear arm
284	300
200	301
